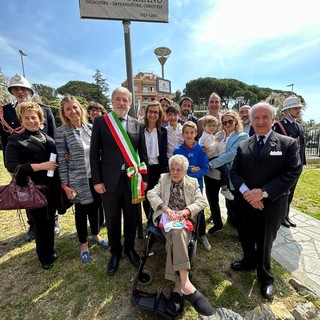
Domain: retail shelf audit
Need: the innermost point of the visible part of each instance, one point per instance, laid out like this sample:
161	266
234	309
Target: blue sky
267	43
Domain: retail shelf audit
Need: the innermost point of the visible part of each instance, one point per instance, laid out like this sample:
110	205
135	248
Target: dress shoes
113	265
133	257
242	266
292	224
285	223
54	257
267	291
174	306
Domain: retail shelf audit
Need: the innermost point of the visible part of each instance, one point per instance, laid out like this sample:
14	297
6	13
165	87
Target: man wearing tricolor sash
118	158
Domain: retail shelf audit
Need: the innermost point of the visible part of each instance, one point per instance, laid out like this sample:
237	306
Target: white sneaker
204	241
227	193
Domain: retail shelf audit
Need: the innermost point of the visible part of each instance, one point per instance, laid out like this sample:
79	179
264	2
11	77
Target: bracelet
64	186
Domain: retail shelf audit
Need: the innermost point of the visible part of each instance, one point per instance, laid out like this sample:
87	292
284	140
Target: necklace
40	137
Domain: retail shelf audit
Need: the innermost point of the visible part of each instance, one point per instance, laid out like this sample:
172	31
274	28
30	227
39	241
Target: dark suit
106	161
154	171
296	131
275	170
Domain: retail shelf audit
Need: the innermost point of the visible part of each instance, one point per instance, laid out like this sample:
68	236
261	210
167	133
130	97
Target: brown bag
30	196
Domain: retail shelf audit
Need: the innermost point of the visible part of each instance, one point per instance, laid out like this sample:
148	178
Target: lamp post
291	85
22	54
162	54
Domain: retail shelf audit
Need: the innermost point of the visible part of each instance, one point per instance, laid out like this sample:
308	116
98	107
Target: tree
103	87
44	91
5	96
177	96
89	91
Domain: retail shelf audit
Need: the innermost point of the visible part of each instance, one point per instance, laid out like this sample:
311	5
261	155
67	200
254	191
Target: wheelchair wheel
145	277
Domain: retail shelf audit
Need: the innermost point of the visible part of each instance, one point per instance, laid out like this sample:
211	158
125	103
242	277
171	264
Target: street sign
163	85
133	10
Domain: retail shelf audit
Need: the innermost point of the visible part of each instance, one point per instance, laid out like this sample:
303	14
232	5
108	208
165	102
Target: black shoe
47	266
285	223
292	224
29	235
267	291
133	257
174	307
113	264
215	229
242	266
200	303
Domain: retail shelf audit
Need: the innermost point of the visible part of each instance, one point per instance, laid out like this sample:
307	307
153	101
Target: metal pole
22	65
126	30
162	68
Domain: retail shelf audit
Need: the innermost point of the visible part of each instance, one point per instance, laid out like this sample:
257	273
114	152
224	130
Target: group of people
107	163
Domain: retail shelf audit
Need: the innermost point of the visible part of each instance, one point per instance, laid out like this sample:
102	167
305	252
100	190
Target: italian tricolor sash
131	157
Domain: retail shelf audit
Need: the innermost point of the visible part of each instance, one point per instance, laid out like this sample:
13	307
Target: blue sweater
197	158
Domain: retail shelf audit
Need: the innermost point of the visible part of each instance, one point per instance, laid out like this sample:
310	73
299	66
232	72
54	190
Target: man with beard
185	111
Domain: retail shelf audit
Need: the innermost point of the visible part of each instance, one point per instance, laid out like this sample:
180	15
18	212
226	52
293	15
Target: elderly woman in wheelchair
176	201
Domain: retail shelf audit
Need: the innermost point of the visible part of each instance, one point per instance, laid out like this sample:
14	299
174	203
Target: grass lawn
72	290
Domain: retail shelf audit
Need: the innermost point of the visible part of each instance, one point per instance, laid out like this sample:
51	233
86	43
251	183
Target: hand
100	188
257	205
71	193
195	169
253	195
205	149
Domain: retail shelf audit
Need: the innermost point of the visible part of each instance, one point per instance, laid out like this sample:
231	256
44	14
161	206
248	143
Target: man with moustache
110	168
185	111
21	89
265	167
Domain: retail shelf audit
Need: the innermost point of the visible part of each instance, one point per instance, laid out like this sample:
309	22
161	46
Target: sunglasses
153	112
212	125
227	122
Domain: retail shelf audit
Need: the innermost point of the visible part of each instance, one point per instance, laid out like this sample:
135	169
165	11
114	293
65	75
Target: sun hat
291	102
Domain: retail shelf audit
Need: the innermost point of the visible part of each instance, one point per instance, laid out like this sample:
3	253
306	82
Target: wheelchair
151	301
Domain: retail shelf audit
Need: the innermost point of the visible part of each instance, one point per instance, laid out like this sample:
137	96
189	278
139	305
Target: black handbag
29	196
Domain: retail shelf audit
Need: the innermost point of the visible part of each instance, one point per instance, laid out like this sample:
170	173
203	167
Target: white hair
180	159
263	104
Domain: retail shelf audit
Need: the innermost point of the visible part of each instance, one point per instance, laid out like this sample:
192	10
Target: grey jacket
72	168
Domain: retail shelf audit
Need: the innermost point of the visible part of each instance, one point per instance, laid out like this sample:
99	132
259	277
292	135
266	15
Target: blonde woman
73	147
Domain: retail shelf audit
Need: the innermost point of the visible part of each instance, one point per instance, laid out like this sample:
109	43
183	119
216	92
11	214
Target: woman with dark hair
95	109
73	146
31	150
156	143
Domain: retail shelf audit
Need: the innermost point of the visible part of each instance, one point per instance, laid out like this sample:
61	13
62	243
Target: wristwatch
264	193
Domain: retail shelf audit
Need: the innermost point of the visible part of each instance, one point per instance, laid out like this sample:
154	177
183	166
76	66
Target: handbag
30	196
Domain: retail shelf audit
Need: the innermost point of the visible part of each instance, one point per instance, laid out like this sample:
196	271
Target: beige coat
160	194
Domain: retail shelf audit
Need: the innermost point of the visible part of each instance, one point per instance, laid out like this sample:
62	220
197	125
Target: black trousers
257	231
43	222
115	205
83	212
212	192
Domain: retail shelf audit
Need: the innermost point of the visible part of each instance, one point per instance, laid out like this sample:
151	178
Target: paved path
298	249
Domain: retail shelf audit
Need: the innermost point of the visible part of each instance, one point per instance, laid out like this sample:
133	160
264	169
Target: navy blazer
293	132
105	155
276	168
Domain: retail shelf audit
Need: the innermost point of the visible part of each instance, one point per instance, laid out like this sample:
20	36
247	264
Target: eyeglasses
212	125
227	122
153	112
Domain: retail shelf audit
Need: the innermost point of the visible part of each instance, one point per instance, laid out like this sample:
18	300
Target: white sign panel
135	10
163	86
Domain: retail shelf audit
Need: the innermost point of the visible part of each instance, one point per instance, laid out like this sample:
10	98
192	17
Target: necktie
260	143
121	119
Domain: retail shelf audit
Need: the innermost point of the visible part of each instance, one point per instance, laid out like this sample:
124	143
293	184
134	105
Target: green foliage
101	83
44	91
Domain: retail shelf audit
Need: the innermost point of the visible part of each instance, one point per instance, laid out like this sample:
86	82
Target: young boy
212	143
198	168
174	129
